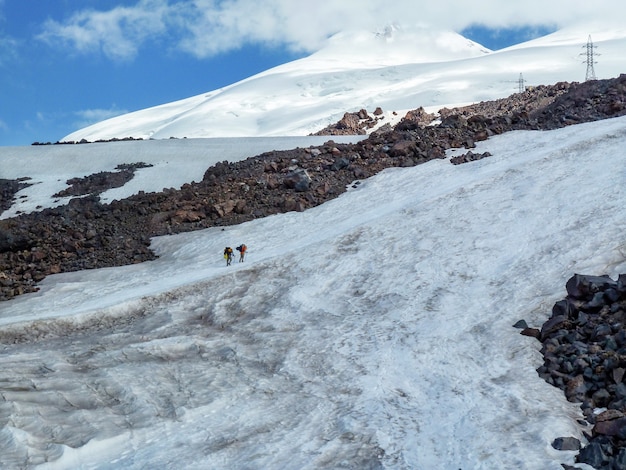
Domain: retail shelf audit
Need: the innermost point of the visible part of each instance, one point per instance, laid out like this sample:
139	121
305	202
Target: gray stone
566	443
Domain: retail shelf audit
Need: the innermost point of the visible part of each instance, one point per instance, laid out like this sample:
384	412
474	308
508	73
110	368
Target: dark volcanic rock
100	182
88	234
566	443
353	123
584	349
468	157
8	189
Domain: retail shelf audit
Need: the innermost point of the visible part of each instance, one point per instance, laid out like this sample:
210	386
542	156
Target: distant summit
394	45
393	69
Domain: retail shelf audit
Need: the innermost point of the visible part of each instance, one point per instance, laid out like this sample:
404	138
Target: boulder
298	180
566	443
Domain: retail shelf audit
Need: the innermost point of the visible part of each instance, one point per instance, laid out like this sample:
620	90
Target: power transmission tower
591	73
521	83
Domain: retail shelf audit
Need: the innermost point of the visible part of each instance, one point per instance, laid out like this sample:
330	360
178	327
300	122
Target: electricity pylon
521	83
591	73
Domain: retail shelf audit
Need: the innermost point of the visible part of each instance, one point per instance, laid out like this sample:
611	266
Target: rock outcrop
88	234
357	123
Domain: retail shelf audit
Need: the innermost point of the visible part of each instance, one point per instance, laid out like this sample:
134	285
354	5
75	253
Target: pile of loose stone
584	350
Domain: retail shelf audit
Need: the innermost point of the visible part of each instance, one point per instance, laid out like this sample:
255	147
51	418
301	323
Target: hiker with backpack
242	251
228	255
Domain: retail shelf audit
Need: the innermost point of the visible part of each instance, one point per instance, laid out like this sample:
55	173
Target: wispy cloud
91	116
117	33
8	49
205	28
8	45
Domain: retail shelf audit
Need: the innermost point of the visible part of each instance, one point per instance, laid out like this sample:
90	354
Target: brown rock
613	427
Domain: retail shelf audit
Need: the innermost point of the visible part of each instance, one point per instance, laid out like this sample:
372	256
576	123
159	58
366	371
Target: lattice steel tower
591	73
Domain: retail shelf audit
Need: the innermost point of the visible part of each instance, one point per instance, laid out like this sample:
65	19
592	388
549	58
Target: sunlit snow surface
399	71
172	163
374	331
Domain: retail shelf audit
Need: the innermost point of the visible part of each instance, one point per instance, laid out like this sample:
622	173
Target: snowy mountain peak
396	68
387	31
396	45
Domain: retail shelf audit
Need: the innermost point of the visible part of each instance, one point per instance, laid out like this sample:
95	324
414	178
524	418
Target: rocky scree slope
583	343
584	351
87	234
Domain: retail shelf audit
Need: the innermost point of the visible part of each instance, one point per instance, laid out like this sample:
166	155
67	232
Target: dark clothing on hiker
242	251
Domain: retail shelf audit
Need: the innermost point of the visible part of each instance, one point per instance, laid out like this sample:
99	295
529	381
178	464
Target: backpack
228	250
242	248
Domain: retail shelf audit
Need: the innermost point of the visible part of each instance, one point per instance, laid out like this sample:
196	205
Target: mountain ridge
396	72
270	183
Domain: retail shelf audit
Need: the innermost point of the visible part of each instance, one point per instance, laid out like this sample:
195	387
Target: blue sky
69	63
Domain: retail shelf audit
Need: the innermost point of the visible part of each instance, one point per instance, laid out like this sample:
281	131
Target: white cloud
8	49
208	27
8	45
91	116
117	33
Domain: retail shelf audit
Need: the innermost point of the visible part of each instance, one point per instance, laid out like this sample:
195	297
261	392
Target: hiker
242	251
228	255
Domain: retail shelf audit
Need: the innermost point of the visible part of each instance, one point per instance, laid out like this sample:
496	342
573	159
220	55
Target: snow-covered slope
396	69
374	331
